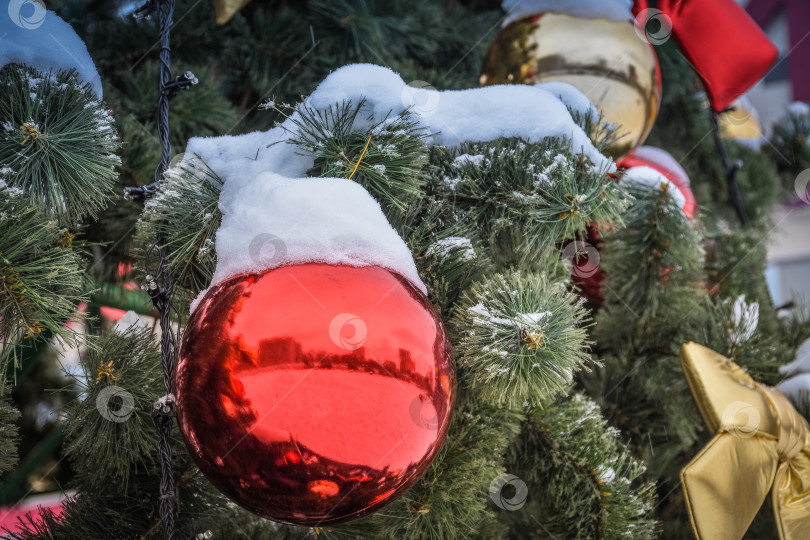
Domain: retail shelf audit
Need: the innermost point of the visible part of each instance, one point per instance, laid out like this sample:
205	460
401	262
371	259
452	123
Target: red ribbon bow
724	45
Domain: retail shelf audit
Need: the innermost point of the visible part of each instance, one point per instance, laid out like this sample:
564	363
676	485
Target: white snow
661	157
572	97
487	318
270	221
463	159
533	319
744	321
647	176
31	35
615	10
605	474
522	321
798	108
797	389
802	362
129	320
475	115
445	246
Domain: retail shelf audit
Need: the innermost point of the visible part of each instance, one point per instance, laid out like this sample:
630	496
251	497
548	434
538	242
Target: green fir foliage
57	143
519	198
519	339
653	272
41	275
109	431
599	489
186	211
387	157
789	146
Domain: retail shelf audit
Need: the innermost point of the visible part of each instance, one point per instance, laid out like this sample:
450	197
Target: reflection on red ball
313	394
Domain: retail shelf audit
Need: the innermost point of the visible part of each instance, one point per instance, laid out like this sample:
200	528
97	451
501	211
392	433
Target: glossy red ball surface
313	394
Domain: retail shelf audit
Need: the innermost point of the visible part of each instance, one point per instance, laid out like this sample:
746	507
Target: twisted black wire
160	288
730	170
163	413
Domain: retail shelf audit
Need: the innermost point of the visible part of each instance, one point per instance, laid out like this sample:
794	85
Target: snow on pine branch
265	191
451	117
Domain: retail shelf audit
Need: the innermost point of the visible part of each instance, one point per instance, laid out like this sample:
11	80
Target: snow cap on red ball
662	162
272	221
33	36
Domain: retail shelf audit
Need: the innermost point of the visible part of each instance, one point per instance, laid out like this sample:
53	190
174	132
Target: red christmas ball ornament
663	162
587	275
312	394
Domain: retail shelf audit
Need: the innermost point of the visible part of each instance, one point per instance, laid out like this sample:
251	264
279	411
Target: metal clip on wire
181	82
164	406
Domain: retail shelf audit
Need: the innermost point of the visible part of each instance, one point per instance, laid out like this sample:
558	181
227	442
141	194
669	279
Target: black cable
160	286
730	170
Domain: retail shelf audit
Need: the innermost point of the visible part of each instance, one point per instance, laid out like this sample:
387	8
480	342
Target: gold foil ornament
607	60
761	444
740	122
226	9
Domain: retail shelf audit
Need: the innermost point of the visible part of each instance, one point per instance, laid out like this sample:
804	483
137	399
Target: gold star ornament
226	9
761	444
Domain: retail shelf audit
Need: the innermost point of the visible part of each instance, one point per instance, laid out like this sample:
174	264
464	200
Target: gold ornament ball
607	60
740	122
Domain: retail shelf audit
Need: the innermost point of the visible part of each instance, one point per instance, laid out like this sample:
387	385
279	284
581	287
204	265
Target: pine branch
393	151
519	339
57	143
109	431
41	276
789	147
186	210
653	275
520	198
450	501
582	482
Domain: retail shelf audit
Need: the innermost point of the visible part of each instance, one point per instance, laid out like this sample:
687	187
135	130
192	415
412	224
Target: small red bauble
312	394
664	163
